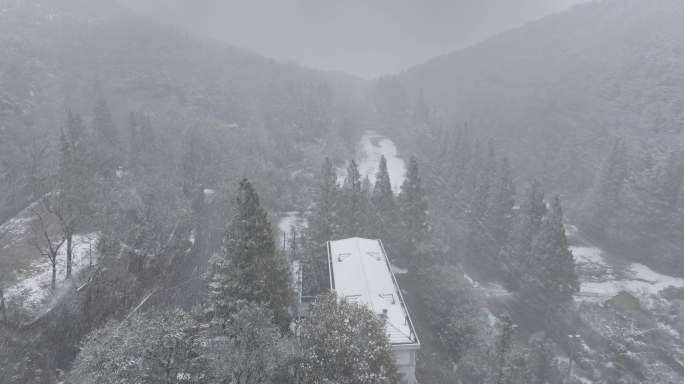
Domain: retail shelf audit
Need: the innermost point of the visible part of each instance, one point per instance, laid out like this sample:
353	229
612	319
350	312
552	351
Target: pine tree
502	349
252	270
413	208
106	139
517	255
386	223
500	215
323	227
353	214
134	142
190	167
551	279
542	363
497	219
73	182
323	221
604	197
345	343
420	111
660	198
482	248
248	350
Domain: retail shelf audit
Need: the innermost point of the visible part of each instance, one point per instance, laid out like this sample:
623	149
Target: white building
360	272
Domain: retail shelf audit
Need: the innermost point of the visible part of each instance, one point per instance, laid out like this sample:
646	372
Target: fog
364	38
347	192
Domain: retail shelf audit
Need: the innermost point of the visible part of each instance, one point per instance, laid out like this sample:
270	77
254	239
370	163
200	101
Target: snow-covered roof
360	272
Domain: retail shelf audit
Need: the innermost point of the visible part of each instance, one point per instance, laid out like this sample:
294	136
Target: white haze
361	37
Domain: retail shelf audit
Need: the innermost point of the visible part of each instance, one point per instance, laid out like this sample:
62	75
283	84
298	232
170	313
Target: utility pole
573	339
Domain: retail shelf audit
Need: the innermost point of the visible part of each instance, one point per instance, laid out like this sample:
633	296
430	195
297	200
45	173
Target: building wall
406	364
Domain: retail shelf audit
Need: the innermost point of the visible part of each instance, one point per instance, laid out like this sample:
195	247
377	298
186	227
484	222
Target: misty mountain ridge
64	54
59	34
577	80
166	194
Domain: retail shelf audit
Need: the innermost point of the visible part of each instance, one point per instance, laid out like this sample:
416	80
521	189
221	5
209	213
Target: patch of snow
18	228
588	255
292	218
491	318
398	270
289	219
640	281
34	287
373	146
209	195
495	290
644	273
489	289
669	330
15	230
571	229
192	236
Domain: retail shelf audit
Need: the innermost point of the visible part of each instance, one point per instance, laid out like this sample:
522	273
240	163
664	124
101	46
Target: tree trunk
69	250
53	282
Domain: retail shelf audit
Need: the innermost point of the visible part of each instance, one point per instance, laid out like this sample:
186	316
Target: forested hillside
560	94
574	81
65	54
149	177
122	146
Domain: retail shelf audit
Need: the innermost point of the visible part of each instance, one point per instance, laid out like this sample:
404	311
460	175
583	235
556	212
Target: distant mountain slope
59	54
555	93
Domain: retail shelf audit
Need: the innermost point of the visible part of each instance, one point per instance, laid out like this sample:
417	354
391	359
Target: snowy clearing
644	282
588	255
17	229
285	224
599	282
33	284
371	148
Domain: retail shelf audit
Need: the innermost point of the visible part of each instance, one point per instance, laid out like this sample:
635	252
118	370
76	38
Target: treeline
482	231
158	200
481	226
240	327
636	204
477	218
357	208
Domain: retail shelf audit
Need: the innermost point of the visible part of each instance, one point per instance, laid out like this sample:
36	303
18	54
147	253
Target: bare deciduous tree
48	244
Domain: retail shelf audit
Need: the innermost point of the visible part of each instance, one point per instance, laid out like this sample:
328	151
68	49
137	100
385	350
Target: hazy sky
363	37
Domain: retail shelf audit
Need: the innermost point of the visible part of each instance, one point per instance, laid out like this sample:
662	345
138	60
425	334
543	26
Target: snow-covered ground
17	229
600	282
289	219
371	148
33	284
490	289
